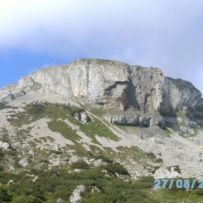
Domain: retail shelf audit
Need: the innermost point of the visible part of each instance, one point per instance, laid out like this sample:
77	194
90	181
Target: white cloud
165	33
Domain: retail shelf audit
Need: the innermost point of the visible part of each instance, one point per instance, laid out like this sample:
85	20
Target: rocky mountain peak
125	121
108	84
104	62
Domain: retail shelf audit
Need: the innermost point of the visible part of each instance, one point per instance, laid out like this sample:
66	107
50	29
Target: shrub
151	155
4	195
116	168
104	158
80	165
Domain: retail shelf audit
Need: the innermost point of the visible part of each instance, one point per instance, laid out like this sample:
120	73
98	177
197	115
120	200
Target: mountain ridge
112	84
106	105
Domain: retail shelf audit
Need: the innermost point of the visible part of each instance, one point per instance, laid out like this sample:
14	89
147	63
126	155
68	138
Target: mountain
99	118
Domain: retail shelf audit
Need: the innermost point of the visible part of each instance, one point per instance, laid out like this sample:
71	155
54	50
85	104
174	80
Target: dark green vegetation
58	183
80	165
36	111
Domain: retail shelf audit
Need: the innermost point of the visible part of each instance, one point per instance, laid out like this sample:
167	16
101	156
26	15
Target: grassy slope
58	183
35	112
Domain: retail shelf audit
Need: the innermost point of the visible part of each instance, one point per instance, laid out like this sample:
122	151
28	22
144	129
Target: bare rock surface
76	195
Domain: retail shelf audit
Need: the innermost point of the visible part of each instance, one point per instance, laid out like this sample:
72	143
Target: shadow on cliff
128	98
168	112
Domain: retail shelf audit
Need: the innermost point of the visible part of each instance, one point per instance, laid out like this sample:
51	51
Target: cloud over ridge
163	33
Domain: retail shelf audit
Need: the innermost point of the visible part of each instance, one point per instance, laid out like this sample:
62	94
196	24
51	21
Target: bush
151	155
58	183
4	195
114	168
80	165
104	158
27	199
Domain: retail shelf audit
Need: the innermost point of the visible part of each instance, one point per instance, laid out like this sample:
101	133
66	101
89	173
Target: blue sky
161	33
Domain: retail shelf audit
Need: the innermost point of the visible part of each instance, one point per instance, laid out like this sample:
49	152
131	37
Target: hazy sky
161	33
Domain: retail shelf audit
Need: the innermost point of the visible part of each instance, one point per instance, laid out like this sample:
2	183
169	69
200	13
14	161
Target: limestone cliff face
179	95
148	85
105	83
111	84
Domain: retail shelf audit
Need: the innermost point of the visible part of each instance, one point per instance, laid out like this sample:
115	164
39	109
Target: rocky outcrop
82	117
76	195
148	87
23	87
142	91
129	119
179	96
